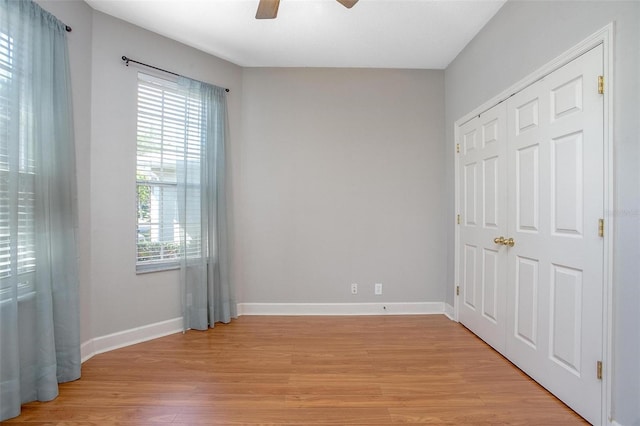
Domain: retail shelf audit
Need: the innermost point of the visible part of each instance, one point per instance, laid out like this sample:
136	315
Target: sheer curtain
208	296
39	314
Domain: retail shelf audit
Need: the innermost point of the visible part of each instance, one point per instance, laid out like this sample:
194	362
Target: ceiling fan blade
267	9
348	3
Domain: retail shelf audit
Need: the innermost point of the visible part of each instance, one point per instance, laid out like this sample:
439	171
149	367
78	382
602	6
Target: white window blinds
168	145
17	205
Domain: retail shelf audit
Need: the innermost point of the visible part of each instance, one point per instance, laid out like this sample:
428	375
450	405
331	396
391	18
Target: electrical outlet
354	288
378	289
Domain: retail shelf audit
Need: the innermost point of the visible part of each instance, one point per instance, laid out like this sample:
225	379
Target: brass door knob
504	241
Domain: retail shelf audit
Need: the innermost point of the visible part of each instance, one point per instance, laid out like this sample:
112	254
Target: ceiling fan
268	9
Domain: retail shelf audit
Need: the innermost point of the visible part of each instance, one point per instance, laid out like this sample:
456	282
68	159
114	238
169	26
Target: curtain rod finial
68	28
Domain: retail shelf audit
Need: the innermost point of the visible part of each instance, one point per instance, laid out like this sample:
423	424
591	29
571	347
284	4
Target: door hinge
601	227
599	370
457	148
457	290
601	84
458	219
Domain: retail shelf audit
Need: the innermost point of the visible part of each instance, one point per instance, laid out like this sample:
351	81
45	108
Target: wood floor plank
309	416
308	370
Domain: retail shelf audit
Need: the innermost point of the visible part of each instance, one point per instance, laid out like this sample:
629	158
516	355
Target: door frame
604	37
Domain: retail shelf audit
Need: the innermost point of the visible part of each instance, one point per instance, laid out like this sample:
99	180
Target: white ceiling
423	34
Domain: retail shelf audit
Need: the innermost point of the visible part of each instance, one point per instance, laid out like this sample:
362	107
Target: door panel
470	275
527	190
567	208
566	317
531	169
490	193
555	275
483	201
471	194
490	285
526	301
526	116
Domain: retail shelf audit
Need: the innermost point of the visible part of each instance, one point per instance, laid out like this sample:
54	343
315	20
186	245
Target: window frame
167	89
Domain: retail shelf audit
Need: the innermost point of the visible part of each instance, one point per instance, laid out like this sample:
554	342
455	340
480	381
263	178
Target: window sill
158	267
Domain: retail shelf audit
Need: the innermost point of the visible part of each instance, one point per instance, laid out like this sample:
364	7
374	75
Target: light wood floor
306	371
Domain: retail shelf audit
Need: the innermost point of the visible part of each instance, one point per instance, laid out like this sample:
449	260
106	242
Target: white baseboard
129	337
614	423
411	308
86	350
132	336
449	311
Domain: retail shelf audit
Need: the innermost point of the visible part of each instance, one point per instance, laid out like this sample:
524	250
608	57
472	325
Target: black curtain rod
127	60
68	28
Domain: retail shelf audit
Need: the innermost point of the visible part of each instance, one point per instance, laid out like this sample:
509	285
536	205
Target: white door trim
604	36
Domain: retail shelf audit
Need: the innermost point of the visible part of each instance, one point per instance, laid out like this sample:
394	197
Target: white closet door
483	200
555	268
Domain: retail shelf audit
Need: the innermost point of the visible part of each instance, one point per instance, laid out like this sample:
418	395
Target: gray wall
341	183
121	299
113	297
338	179
523	36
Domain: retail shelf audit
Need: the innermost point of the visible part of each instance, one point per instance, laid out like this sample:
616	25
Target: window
17	171
168	145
